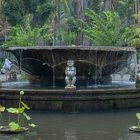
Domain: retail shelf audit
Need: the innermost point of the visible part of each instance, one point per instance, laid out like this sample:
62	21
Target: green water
94	126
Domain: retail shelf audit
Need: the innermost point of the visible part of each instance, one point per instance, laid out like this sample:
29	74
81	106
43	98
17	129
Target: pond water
111	125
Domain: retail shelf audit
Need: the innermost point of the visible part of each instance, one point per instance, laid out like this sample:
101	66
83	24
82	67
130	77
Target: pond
112	125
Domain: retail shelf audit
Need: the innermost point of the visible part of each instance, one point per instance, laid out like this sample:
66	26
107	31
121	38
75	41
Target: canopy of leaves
134	39
15	10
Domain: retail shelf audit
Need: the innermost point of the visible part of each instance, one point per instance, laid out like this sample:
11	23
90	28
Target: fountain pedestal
70	89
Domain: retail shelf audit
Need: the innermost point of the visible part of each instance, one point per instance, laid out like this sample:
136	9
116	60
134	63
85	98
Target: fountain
104	78
94	65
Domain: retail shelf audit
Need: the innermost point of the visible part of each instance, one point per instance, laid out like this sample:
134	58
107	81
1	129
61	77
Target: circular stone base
134	129
7	130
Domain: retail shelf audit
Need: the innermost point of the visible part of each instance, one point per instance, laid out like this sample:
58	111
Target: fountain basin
95	68
94	65
77	101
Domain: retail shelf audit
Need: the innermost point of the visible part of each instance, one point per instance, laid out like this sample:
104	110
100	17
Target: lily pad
7	130
134	129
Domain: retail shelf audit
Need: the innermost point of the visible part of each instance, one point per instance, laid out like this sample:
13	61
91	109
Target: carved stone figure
13	73
138	66
12	76
70	73
133	69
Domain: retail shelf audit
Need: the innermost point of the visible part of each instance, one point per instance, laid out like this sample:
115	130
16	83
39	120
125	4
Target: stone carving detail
13	73
133	68
70	73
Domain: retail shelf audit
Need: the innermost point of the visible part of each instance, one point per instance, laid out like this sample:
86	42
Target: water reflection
97	126
70	135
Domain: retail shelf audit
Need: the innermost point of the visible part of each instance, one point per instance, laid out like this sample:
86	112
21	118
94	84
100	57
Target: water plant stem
9	118
19	104
138	124
0	117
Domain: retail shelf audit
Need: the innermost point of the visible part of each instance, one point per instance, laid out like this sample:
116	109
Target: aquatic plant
2	109
19	112
136	128
138	117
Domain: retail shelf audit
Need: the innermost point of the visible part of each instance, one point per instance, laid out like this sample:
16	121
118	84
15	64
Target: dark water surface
95	126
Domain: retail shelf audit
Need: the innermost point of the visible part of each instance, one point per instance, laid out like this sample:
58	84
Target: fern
134	39
105	29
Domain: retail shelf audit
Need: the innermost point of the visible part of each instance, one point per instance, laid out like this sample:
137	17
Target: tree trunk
80	15
108	4
137	10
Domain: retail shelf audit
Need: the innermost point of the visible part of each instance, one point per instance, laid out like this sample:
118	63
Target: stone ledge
59	100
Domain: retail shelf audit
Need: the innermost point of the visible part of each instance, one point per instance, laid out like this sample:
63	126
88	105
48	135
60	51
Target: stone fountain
94	70
94	65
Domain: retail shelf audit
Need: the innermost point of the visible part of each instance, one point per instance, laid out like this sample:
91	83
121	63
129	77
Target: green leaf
105	29
14	126
32	125
25	105
16	110
138	116
26	116
2	108
12	110
1	127
20	110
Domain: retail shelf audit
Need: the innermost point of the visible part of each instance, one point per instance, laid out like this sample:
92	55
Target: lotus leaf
14	126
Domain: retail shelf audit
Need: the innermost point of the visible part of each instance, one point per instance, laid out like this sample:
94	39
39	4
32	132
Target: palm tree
4	25
58	19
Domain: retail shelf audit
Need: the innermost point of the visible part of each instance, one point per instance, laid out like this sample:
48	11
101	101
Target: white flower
21	92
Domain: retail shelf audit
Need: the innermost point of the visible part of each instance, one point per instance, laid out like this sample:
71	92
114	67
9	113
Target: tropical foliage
115	17
135	37
16	10
105	29
27	35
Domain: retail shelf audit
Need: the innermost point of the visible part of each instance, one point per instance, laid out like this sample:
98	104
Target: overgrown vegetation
26	35
19	113
58	22
106	29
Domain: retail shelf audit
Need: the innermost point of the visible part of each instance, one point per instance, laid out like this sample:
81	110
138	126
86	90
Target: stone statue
70	73
13	73
138	66
133	70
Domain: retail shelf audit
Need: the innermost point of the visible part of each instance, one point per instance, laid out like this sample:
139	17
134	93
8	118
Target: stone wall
78	101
